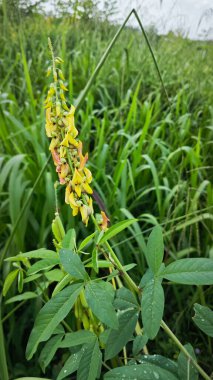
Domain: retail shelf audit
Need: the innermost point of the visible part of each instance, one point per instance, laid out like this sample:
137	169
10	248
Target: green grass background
150	159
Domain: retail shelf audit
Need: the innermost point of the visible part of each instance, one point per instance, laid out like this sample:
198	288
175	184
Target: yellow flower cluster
66	148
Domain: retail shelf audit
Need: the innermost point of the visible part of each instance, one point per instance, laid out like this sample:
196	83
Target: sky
191	18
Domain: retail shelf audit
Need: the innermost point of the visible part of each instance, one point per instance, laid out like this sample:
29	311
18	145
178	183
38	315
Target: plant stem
182	348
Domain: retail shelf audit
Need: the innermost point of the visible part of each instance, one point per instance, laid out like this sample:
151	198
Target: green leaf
90	361
41	253
204	319
190	271
49	350
54	275
77	338
159	361
9	281
186	370
118	338
146	371
22	297
139	342
101	264
52	313
32	378
125	299
61	285
99	296
44	264
32	277
114	230
73	264
152	306
148	275
69	240
95	259
86	241
116	272
155	249
71	365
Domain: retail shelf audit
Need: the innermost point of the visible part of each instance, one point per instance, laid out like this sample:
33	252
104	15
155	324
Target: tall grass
150	159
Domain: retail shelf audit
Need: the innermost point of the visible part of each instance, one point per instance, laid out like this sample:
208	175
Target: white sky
193	18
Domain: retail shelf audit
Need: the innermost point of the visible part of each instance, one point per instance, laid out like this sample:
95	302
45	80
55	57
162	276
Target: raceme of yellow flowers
65	147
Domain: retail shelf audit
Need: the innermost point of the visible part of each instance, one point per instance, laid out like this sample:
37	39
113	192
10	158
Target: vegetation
151	161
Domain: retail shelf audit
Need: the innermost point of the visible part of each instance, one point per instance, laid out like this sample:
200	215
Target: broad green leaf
99	296
118	338
190	271
54	275
125	299
9	281
71	365
49	350
204	319
186	370
52	313
77	338
86	241
69	240
159	361
44	264
138	344
114	230
73	264
22	297
155	249
90	361
152	306
146	371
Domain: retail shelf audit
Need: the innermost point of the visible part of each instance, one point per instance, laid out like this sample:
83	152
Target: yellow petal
87	188
84	214
78	190
64	170
72	200
88	174
67	194
65	141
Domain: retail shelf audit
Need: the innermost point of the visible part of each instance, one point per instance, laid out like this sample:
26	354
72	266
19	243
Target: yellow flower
86	211
50	127
83	159
80	183
64	170
73	204
68	139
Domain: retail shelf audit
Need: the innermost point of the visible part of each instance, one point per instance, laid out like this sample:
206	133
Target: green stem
182	348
